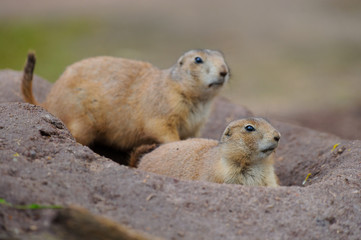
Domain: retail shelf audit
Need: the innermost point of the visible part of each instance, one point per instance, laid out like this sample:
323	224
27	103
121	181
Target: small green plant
304	182
32	206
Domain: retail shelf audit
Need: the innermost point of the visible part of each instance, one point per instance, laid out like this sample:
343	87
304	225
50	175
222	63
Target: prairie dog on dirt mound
244	156
126	103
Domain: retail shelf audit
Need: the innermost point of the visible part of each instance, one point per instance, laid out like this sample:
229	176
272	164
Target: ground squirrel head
249	140
201	71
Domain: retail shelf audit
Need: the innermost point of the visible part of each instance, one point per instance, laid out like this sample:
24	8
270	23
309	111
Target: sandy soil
41	163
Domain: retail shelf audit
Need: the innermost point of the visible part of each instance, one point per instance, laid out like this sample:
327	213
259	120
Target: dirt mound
345	122
41	163
10	82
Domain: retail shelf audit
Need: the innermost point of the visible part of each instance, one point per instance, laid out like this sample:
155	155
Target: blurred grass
308	56
59	42
56	43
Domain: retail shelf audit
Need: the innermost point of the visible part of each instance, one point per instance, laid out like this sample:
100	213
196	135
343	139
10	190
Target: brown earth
10	82
343	122
41	163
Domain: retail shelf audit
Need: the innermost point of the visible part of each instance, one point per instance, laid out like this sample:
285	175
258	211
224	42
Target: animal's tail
138	152
26	83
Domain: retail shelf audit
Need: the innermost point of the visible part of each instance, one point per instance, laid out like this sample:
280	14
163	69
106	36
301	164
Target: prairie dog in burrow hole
244	155
126	103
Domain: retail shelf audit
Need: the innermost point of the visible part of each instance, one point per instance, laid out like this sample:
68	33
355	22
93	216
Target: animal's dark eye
198	60
249	128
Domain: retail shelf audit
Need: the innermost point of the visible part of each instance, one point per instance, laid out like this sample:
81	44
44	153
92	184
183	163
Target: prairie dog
244	155
126	103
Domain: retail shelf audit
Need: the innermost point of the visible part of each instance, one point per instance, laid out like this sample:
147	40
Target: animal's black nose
276	138
223	73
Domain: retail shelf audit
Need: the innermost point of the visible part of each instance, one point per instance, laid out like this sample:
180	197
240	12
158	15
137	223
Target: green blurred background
289	59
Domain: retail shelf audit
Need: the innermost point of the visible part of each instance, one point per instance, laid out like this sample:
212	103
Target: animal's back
99	76
183	159
89	90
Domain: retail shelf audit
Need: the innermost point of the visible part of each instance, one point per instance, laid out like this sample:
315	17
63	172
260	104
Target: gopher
244	155
126	103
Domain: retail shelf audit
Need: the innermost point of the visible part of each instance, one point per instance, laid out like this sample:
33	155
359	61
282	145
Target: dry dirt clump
10	85
41	163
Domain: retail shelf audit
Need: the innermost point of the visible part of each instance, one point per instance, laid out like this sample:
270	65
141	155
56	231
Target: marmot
244	156
126	103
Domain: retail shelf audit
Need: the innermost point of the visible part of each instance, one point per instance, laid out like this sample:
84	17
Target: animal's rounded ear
180	61
227	132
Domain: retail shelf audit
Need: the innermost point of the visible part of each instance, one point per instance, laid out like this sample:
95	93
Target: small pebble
33	228
32	154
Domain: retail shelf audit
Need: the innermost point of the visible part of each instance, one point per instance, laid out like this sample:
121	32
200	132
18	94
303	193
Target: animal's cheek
254	148
253	145
261	145
207	70
212	70
245	146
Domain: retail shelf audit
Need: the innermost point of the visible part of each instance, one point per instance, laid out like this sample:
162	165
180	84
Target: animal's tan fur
237	159
126	103
26	83
140	151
